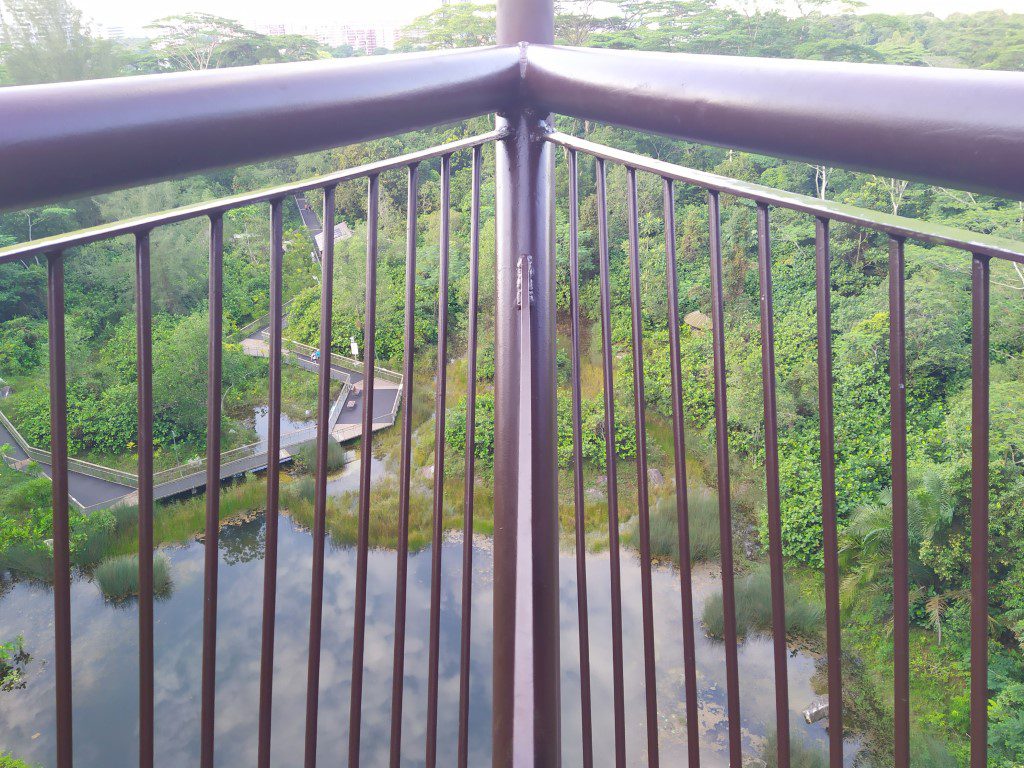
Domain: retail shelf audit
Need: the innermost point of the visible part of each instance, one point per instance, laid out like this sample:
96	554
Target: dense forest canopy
47	40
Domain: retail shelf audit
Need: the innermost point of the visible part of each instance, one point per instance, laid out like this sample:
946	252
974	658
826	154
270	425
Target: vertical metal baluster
979	508
439	401
771	470
365	464
732	675
829	526
577	463
273	487
643	502
213	415
144	350
609	452
469	478
61	531
323	437
408	369
682	505
900	545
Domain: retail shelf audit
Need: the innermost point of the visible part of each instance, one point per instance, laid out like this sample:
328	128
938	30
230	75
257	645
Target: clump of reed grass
802	755
118	577
181	521
342	519
304	456
804	618
703	527
28	562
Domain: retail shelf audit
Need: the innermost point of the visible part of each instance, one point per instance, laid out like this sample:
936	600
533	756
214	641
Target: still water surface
106	669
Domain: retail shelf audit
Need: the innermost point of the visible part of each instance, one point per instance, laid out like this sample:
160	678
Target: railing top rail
897	226
219	206
69	139
955	127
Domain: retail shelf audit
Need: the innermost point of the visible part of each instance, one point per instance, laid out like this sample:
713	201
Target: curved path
84	490
92	492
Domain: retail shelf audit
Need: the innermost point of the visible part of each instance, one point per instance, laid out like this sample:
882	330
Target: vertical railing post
526	727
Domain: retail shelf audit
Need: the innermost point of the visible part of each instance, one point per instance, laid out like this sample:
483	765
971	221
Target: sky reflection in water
106	668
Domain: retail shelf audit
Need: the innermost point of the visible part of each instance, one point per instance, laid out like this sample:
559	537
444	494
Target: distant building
364	39
111	33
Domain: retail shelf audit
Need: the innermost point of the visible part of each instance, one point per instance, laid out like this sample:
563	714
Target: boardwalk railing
955	128
253	326
40	456
341	361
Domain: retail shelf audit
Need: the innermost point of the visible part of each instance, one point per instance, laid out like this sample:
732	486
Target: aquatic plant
118	577
703	526
804	617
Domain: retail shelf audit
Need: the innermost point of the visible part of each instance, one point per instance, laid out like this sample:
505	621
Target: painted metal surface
273	487
70	139
773	511
908	122
144	357
679	467
405	470
55	309
316	592
213	463
365	464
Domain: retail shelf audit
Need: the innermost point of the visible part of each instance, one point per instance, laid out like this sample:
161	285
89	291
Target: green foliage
118	577
8	761
458	25
13	660
23	345
47	41
455	426
1006	729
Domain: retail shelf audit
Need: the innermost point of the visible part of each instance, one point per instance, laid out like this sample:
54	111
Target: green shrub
25	496
754	609
8	761
13	660
118	577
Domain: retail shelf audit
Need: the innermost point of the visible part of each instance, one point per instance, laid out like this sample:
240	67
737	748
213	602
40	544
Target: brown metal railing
980	250
829	118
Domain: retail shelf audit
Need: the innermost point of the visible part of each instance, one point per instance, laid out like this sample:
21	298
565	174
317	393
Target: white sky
134	15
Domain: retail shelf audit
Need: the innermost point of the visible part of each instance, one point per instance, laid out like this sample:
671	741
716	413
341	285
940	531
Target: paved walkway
91	492
349	420
309	217
85	490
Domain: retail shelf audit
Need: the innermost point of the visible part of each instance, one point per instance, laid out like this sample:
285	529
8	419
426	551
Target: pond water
347	478
105	662
261	421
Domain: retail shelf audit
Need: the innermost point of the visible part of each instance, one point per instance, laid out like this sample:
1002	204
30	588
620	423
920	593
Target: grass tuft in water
304	456
118	577
704	534
28	562
804	618
802	755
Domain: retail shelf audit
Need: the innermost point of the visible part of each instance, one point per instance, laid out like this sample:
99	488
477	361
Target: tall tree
194	41
45	41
